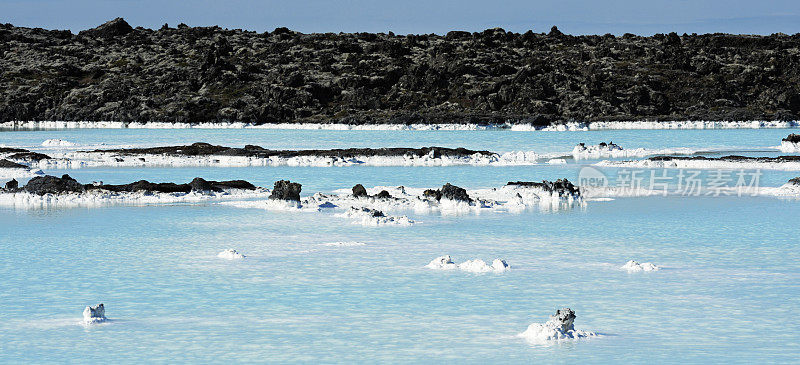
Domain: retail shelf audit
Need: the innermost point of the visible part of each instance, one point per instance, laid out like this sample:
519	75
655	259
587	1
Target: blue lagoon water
727	291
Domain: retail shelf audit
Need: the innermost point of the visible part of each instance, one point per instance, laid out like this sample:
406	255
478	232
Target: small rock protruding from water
565	319
359	191
286	190
383	195
12	184
453	192
94	314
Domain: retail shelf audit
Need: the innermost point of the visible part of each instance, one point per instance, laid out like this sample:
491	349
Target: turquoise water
727	293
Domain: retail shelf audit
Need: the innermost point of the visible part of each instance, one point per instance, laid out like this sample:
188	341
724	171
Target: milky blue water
727	293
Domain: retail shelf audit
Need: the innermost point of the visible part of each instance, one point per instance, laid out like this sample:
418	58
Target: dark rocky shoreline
48	184
208	74
731	158
206	149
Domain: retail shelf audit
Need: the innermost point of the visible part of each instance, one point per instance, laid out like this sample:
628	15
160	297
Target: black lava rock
211	74
11	165
286	190
561	186
383	195
13	184
111	29
359	191
794	138
453	192
47	184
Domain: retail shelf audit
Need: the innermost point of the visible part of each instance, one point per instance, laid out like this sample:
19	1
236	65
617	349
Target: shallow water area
725	292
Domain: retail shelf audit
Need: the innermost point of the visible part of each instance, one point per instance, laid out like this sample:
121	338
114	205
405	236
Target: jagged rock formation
94	314
47	184
12	184
792	138
448	191
210	74
205	149
795	181
562	187
286	190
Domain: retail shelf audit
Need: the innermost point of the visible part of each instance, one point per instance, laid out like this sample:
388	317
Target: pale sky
643	17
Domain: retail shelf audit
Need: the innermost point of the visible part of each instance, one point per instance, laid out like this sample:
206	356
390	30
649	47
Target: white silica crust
97	198
475	265
633	266
76	159
368	217
571	126
509	198
790	147
230	254
13	173
549	331
55	142
344	244
560	327
94	314
705	164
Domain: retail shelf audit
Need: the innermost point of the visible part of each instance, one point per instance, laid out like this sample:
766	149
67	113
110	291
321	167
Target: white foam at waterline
557	161
543	333
704	164
344	244
615	151
571	126
230	254
368	217
475	265
55	142
75	160
14	173
790	147
633	266
97	198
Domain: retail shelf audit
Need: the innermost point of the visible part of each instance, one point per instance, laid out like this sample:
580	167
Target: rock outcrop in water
562	187
6	164
286	190
448	191
792	138
561	326
209	74
94	314
47	184
205	149
359	191
12	184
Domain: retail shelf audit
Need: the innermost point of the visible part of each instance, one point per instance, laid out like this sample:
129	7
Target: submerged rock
29	156
286	190
230	254
633	266
359	191
94	314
